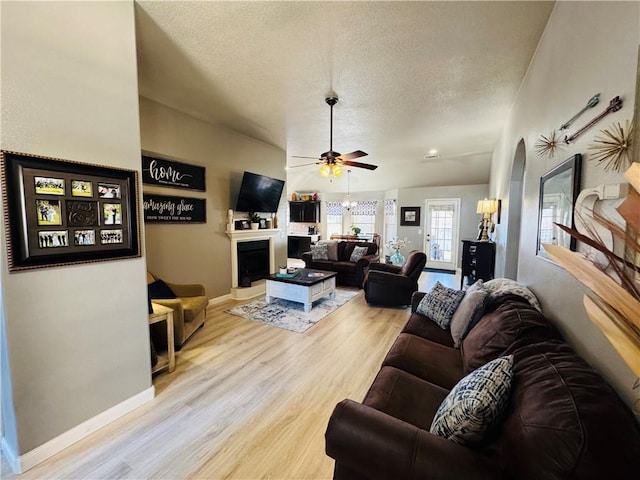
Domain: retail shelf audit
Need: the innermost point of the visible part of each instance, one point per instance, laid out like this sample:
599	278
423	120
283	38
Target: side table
168	361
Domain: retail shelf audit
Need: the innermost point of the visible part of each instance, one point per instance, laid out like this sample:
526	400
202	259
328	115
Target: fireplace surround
241	236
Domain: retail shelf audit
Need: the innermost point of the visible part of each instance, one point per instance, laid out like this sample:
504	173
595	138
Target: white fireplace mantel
249	236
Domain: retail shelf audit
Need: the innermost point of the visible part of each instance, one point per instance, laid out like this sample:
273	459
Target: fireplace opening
253	261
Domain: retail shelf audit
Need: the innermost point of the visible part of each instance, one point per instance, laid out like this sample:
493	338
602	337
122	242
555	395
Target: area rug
291	315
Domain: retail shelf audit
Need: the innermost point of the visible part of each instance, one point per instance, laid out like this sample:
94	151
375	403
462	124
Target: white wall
201	253
587	48
69	90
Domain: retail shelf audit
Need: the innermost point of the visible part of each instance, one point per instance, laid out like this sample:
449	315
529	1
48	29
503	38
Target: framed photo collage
61	212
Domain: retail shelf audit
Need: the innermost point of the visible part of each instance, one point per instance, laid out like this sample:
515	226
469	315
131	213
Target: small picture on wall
112	214
80	188
53	239
111	236
108	190
48	212
84	237
410	216
49	186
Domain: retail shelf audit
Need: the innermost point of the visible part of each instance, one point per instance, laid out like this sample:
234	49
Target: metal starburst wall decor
613	149
548	145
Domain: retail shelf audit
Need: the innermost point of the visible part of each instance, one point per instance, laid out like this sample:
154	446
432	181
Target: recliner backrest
415	262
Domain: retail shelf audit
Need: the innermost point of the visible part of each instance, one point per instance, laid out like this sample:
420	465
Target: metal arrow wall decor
614	105
593	101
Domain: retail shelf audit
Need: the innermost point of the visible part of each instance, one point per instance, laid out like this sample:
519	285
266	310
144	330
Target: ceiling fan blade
312	158
304	165
356	154
368	166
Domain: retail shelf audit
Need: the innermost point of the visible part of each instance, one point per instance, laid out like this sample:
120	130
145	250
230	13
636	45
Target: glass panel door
441	233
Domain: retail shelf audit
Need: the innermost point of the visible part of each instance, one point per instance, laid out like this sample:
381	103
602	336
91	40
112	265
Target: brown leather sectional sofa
563	421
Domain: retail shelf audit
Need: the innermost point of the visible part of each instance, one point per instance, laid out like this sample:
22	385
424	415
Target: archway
516	192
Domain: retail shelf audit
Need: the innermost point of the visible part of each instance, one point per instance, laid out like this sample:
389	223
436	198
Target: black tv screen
259	193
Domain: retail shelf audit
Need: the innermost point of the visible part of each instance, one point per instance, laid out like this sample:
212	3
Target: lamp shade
487	206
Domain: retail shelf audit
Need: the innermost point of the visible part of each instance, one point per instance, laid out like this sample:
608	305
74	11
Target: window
363	215
390	221
334	218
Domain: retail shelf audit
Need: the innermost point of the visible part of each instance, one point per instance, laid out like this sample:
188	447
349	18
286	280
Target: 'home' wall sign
167	173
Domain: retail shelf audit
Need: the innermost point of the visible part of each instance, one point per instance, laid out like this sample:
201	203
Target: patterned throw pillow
503	286
358	253
319	252
472	305
476	403
440	303
332	246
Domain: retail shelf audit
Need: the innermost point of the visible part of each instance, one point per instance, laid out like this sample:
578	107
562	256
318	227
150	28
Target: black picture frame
78	228
559	190
410	216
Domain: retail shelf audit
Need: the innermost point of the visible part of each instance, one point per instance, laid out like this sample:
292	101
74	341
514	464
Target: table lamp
486	208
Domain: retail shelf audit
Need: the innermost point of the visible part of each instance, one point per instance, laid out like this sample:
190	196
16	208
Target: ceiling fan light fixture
331	170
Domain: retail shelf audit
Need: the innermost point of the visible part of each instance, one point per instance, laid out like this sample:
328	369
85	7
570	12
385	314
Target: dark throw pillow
159	289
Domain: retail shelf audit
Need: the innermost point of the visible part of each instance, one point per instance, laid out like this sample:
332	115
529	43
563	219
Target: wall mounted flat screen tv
259	193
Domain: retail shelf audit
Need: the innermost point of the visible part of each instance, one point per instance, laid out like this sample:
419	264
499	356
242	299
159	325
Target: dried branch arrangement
614	281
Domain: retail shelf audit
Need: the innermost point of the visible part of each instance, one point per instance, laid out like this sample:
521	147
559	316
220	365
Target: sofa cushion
358	253
193	306
332	249
496	331
421	326
564	421
405	396
159	289
320	252
440	303
476	403
345	254
346	267
503	286
470	308
427	360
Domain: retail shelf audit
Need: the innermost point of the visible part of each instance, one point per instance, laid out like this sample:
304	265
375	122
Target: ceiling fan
332	161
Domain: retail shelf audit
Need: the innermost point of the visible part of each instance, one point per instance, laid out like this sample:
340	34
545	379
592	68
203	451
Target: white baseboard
22	463
216	300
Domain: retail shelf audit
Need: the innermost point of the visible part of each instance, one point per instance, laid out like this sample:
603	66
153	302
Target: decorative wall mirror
559	189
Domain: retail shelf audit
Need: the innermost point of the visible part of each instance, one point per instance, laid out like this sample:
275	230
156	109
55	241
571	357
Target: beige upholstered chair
189	308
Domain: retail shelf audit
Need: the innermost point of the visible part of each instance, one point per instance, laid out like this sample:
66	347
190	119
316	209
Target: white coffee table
306	287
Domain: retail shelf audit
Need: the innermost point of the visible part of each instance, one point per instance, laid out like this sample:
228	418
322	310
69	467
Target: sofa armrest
367	261
307	258
377	445
390	280
187	289
385	267
415	300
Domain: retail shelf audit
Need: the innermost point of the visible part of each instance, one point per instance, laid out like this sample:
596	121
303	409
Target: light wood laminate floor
246	401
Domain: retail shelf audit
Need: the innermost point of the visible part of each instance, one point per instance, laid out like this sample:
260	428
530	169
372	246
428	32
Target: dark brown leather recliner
391	285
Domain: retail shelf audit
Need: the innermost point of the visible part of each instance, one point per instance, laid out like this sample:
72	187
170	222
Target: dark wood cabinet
308	212
478	261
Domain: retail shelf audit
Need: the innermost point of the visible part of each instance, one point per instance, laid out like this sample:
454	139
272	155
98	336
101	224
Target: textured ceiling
410	76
